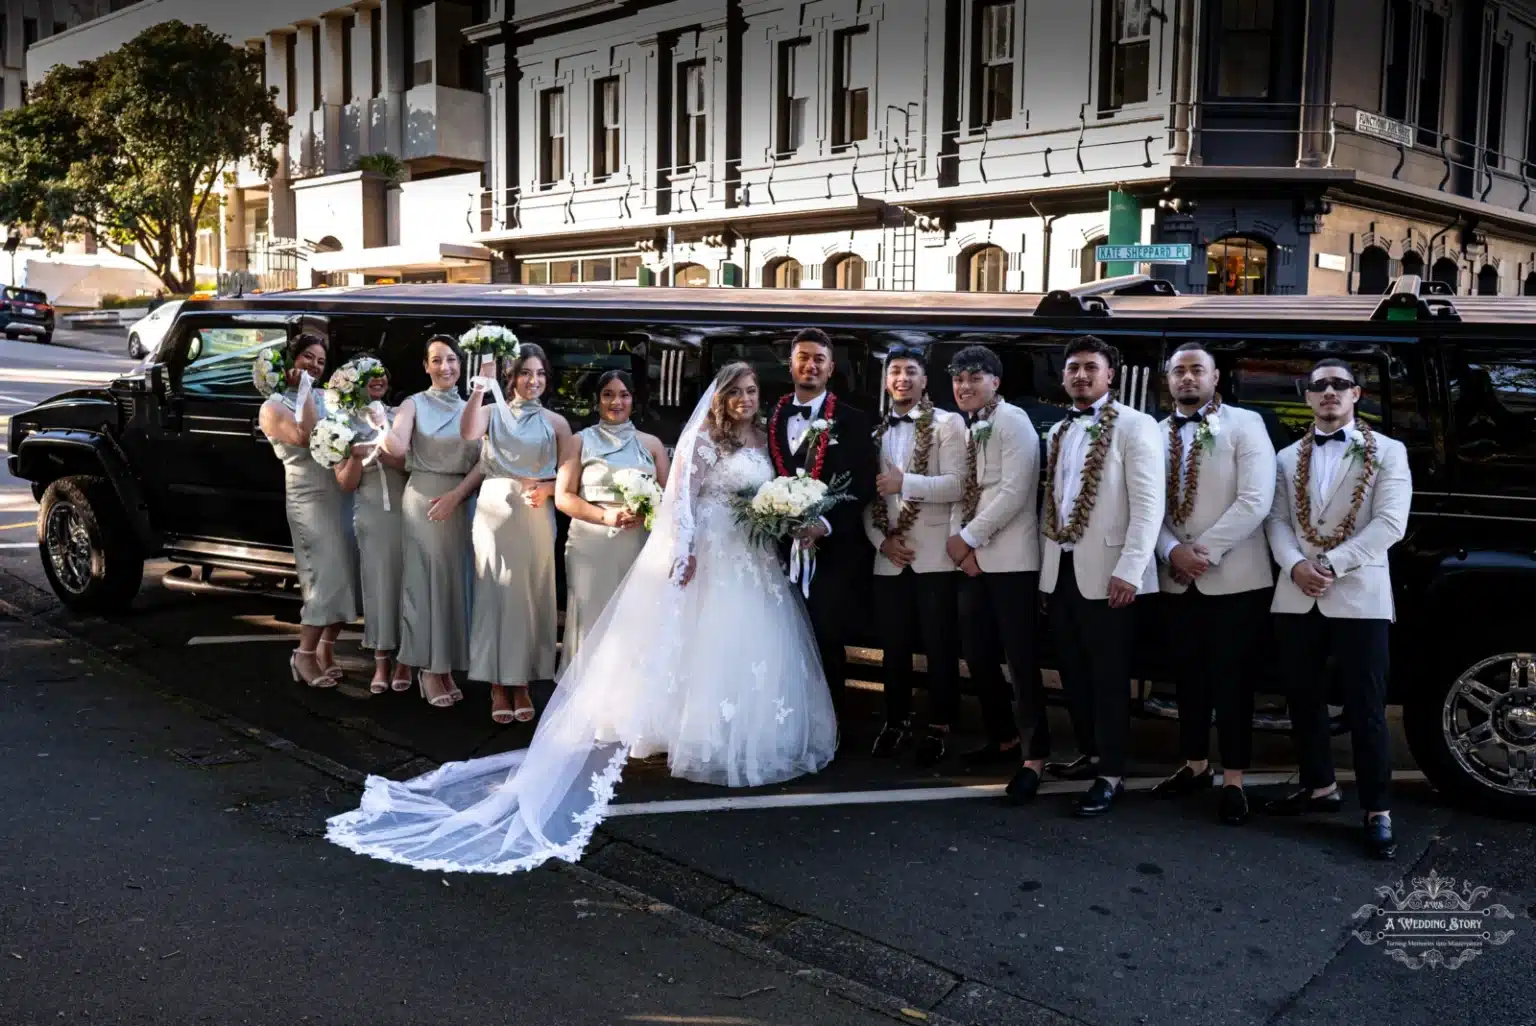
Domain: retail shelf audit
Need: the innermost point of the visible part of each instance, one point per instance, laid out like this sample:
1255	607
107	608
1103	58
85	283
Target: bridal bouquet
270	371
787	505
331	441
348	387
488	340
639	493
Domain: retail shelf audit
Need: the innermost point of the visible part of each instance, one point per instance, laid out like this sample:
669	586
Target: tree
130	145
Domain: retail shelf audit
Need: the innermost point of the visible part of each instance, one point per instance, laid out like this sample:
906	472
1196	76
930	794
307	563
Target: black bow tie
796	410
1338	436
895	419
1179	420
1075	413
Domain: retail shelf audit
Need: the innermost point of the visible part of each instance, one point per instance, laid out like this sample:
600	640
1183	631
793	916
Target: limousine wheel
1475	735
87	546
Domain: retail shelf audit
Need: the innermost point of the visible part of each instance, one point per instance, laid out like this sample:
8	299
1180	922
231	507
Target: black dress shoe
1081	768
1232	807
891	740
1380	843
1298	802
931	749
1185	781
1024	786
990	756
1099	798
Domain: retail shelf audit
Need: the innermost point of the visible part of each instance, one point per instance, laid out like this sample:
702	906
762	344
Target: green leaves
131	145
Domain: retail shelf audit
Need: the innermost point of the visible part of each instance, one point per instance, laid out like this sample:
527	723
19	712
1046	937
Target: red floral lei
828	411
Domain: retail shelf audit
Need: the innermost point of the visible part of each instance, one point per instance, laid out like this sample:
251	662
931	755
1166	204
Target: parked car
170	462
25	312
144	334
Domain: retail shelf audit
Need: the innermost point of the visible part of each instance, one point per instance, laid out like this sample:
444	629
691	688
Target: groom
816	431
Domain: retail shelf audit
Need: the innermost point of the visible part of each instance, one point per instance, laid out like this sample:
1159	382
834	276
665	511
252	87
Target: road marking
18	402
18	545
240	639
18	527
930	794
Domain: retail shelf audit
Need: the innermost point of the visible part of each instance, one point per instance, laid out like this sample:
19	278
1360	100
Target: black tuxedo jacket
853	454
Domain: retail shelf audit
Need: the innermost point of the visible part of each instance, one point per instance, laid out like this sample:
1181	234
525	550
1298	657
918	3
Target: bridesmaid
377	522
434	599
514	632
604	537
316	515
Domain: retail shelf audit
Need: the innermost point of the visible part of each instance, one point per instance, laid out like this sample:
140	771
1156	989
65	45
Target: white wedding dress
721	674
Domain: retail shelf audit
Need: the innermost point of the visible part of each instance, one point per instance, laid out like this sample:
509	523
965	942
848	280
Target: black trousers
997	622
912	607
832	596
1212	640
1359	649
1093	655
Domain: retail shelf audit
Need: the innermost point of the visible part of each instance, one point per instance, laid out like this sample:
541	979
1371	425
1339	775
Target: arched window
1375	270
689	276
1488	281
1445	270
1088	259
783	273
1413	264
1530	284
329	244
984	269
843	272
1237	265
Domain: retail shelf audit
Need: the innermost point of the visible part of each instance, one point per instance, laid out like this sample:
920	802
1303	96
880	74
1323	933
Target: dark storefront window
1237	266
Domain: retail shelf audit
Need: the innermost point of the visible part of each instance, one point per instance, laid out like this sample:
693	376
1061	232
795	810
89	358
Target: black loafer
891	740
930	750
1023	787
990	756
1080	768
1232	807
1380	843
1299	802
1099	798
1185	781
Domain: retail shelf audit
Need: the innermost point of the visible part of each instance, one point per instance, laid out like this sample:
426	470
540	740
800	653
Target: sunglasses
1324	384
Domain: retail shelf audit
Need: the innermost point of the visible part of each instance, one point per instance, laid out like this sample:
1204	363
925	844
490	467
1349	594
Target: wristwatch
1323	562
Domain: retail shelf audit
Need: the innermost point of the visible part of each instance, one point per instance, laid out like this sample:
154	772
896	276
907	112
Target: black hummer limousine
169	461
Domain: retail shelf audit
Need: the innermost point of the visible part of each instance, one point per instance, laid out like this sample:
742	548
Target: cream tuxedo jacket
1233	496
1005	530
932	493
1363	590
1121	537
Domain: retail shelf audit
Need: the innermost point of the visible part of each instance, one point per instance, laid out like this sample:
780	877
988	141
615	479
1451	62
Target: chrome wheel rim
68	548
1489	723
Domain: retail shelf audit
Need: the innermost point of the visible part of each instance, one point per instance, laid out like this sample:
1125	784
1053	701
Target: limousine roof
1098	303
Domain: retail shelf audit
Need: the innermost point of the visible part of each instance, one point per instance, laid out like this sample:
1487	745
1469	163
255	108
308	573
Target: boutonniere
1205	434
1356	450
981	431
1094	430
819	427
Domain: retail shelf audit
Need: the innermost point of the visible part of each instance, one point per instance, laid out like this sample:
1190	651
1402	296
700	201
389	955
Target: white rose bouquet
331	441
787	505
270	371
347	388
489	340
639	493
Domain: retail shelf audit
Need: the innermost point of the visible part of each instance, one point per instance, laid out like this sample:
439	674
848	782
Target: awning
418	257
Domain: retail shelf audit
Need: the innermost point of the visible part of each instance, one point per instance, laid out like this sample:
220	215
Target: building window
1530	285
692	117
689	276
1088	262
376	50
28	34
605	129
1125	65
1375	270
1447	271
796	68
783	273
551	136
317	93
1488	281
992	80
423	43
348	24
1246	41
59	26
1237	266
1413	264
472	54
984	269
851	76
1493	127
291	72
844	272
1415	59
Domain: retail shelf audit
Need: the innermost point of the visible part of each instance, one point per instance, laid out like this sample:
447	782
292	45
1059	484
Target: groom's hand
890	479
957	549
814	533
895	549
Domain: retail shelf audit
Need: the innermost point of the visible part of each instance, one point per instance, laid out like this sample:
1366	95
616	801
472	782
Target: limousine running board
186	578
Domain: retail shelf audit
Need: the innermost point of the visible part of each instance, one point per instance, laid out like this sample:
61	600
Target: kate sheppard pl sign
1435	923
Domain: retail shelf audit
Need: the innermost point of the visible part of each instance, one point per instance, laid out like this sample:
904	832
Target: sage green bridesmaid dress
596	559
317	520
434	592
514	631
378	514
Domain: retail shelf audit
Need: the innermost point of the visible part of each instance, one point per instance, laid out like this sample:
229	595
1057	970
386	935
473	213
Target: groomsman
993	540
1214	572
1341	502
1100	519
922	458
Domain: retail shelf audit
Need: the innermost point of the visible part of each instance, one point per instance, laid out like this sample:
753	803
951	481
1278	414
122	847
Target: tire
48	339
87	547
135	349
1497	669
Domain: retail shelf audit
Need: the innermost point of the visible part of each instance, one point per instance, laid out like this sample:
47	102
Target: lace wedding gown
722	675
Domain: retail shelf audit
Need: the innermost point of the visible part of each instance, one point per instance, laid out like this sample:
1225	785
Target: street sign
1165	253
1367	123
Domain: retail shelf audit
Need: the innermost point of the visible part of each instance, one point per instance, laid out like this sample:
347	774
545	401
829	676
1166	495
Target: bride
703	653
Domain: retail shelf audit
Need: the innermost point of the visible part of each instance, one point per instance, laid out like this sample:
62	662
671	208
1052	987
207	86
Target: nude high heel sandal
322	681
335	672
442	701
380	682
402	678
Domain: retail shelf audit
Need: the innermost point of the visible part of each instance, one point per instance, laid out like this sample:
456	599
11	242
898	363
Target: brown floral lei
1303	491
880	512
970	501
1093	471
1186	505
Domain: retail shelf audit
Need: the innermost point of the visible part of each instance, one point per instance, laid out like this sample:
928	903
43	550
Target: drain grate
213	756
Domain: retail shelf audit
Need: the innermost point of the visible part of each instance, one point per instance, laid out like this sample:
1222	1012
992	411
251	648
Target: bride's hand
684	571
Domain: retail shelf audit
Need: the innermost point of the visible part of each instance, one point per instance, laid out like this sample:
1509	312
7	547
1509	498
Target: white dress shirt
1069	468
1326	461
799	424
1187	435
897	446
